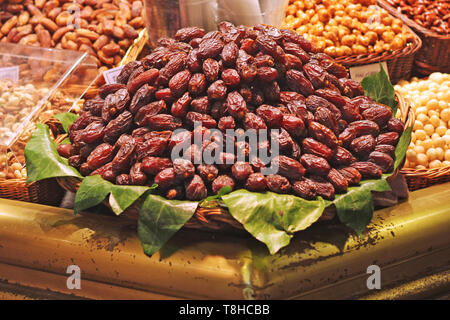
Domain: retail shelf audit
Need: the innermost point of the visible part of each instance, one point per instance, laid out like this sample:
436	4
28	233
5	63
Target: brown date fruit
236	105
357	129
217	90
107	89
378	114
94	132
181	106
277	183
210	48
76	161
176	64
315	165
256	182
323	134
229	54
297	82
332	96
342	157
178	84
386	148
147	77
137	176
317	148
163	122
153	165
197	84
289	96
267	74
272	116
183	168
64	150
323	188
193	62
123	179
350	112
226	123
144	113
94	106
252	121
305	189
114	104
271	91
294	125
288	167
165	179
126	71
291	36
316	75
142	96
101	155
396	125
338	181
195	188
154	146
231	78
204	119
363	146
189	33
211	69
175	193
165	95
221	182
388	138
352	175
384	161
296	50
368	170
325	116
351	88
208	172
124	157
105	172
200	105
313	102
241	170
118	126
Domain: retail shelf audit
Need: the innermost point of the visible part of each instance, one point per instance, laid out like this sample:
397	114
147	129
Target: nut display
347	27
430	140
16	104
104	28
430	14
328	135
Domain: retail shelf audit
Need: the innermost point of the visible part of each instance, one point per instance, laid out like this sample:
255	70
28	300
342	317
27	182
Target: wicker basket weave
219	218
434	55
399	62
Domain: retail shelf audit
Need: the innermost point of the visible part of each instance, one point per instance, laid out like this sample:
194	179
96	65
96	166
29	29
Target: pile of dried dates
329	135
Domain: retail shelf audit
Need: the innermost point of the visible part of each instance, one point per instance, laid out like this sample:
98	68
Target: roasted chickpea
387	21
331	51
372	36
324	16
347	22
302	29
398	43
388	36
359	49
348	40
291	9
343	31
364	41
328	43
378	47
347	50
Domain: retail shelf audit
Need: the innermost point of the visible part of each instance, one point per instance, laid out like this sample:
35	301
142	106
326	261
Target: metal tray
409	242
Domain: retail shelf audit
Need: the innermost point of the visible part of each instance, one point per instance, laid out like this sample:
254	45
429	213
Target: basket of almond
244	128
355	33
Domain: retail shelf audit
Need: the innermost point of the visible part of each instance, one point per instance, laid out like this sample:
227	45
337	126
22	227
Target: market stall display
430	21
104	29
355	32
428	156
38	84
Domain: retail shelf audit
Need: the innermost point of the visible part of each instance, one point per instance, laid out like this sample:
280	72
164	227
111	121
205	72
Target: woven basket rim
368	58
411	23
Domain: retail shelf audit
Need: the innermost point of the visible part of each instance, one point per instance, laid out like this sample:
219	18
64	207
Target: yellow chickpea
302	29
329	43
323	15
364	27
348	40
347	22
291	9
314	19
364	41
343	31
310	12
320	44
359	49
387	21
388	36
331	51
339	51
398	43
347	50
372	36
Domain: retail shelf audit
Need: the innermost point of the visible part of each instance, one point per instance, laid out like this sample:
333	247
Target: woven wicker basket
399	62
434	55
219	218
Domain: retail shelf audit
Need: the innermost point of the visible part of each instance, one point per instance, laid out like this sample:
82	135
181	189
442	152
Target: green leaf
223	191
402	147
379	88
66	119
160	219
94	189
65	141
42	159
273	218
355	207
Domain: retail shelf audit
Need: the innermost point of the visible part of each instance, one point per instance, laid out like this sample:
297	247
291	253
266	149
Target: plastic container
35	84
165	17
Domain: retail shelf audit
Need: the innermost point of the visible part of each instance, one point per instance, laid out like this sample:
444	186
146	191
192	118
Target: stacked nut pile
16	104
104	28
430	14
347	27
237	78
430	140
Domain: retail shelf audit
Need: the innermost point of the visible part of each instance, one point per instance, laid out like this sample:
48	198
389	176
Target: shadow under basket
399	62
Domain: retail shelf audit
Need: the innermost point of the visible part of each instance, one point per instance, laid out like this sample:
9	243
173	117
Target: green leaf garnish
160	219
378	87
94	189
42	159
66	119
272	218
